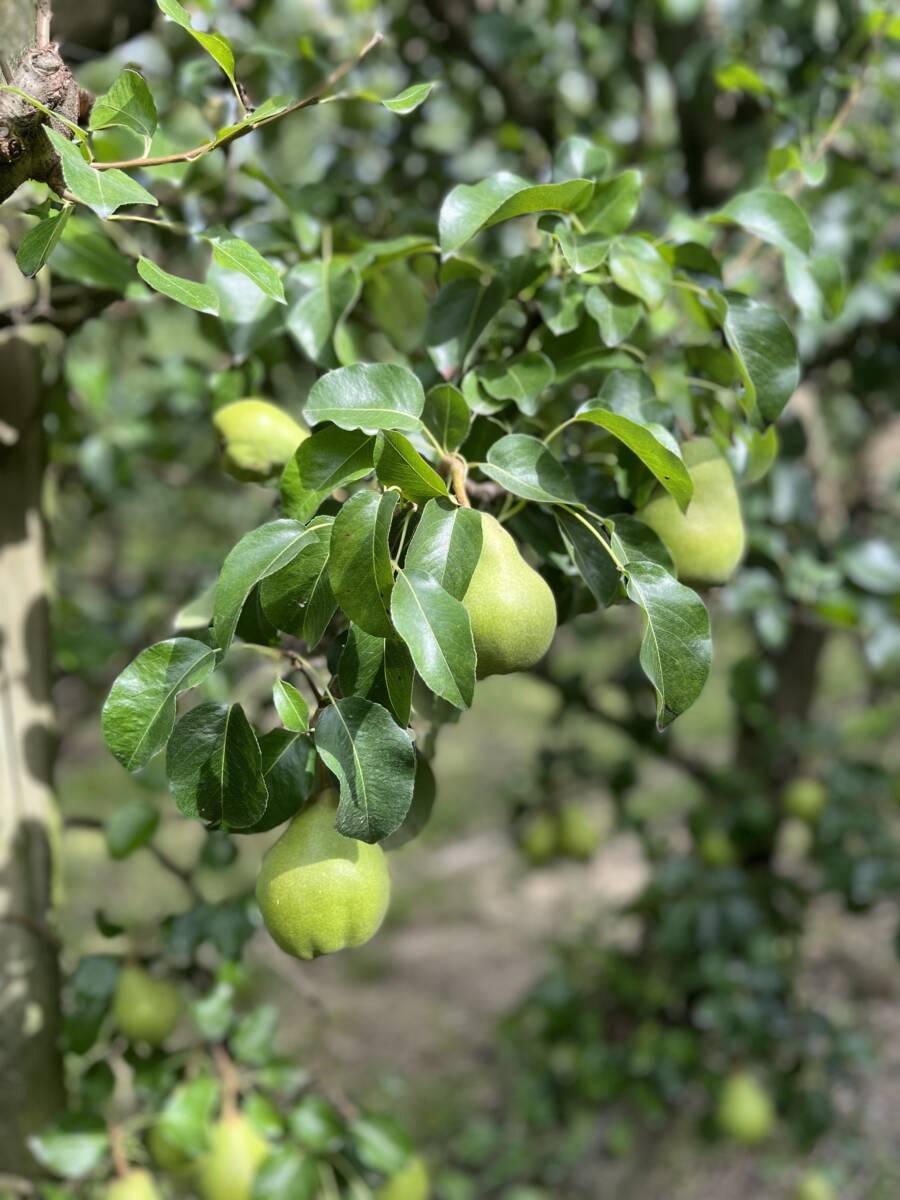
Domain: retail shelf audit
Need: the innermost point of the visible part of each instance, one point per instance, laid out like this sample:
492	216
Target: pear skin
229	1167
707	541
145	1009
511	607
135	1185
411	1182
258	438
318	891
745	1111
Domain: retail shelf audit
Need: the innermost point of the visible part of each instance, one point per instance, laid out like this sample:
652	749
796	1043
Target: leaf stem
554	433
458	473
596	534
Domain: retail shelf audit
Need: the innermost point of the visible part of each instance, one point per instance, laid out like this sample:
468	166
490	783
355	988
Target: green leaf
39	243
438	632
139	712
458	318
588	551
525	467
214	766
103	191
522	379
633	541
289	771
258	554
368	396
446	415
287	1172
583	252
381	1143
653	444
375	763
613	204
199	296
817	285
764	350
234	254
559	303
579	157
676	648
410	98
614	311
739	77
470	208
292	709
639	269
424	796
85	255
446	545
328	459
322	293
360	560
128	104
873	565
298	599
771	216
216	46
130	827
74	1146
188	1113
399	464
379	669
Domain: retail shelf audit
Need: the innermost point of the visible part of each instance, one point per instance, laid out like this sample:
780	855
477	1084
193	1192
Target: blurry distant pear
511	607
814	1185
319	891
235	1152
145	1009
707	541
411	1182
135	1185
745	1111
258	438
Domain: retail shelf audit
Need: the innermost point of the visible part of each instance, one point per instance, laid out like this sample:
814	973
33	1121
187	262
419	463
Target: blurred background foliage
647	913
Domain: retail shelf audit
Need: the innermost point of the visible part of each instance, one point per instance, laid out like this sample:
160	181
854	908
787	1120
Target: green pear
166	1156
135	1185
804	799
258	438
512	609
538	838
745	1111
578	836
412	1182
716	848
145	1009
228	1168
707	541
319	891
814	1185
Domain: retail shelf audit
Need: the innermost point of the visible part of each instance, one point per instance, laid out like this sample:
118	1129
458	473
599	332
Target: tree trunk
30	1067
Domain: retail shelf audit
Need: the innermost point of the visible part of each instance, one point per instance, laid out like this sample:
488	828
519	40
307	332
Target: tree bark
29	984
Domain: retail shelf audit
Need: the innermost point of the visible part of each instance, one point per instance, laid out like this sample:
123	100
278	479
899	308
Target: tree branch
43	21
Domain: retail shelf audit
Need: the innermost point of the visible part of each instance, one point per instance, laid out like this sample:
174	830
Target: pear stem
458	472
228	1077
117	1150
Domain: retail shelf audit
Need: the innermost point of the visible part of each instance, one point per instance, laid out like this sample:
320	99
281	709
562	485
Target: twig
458	472
117	1150
34	925
173	868
43	21
201	151
228	1077
6	69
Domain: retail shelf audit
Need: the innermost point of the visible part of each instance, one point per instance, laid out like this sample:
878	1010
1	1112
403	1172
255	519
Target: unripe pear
412	1182
716	848
804	799
538	838
145	1009
578	836
135	1185
166	1156
707	541
511	607
814	1185
228	1168
319	891
745	1111
258	438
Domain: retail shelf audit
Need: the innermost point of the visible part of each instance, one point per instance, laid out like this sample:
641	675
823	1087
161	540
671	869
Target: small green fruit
745	1111
578	835
258	438
538	838
319	891
814	1185
411	1183
228	1168
716	848
804	799
511	607
166	1156
135	1185
145	1009
706	542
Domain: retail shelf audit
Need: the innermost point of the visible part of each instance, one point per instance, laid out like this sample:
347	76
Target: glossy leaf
460	315
409	99
613	204
39	243
298	598
368	396
399	464
446	545
328	459
375	763
360	561
447	416
129	104
289	772
234	254
214	766
676	647
764	350
102	191
140	710
653	444
579	157
199	296
615	312
321	295
129	827
525	467
587	541
522	379
639	269
469	208
582	251
771	216
291	706
438	632
73	1146
215	45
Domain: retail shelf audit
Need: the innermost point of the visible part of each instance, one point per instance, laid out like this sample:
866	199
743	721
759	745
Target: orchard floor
409	1022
